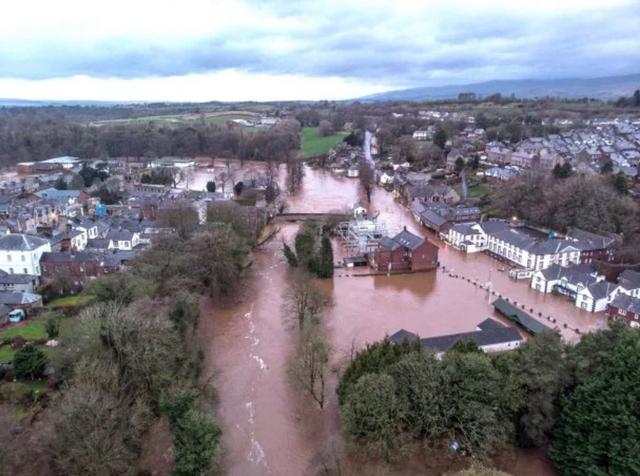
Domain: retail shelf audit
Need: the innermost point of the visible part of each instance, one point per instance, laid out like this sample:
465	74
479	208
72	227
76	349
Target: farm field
184	119
314	144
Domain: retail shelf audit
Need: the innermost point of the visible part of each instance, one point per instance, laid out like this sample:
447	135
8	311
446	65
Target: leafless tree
309	366
367	178
303	301
295	172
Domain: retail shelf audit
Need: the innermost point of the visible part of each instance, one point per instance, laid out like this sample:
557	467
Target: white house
20	254
469	237
353	171
421	135
564	280
78	239
490	336
629	282
598	296
90	227
124	240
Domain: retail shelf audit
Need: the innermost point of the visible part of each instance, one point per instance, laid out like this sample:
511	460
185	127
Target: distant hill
599	88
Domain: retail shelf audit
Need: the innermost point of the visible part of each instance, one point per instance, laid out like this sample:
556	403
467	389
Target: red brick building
626	308
78	267
404	252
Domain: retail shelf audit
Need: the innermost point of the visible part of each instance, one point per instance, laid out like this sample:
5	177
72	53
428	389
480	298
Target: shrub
29	362
197	444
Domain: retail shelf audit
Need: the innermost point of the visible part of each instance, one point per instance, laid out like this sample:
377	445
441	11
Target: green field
314	144
71	301
28	330
6	354
181	119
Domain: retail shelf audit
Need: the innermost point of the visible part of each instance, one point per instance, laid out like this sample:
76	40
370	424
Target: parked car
17	315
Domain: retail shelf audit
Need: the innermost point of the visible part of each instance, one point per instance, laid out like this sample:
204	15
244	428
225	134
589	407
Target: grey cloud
364	43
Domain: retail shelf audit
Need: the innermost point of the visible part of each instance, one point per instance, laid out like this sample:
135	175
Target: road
367	148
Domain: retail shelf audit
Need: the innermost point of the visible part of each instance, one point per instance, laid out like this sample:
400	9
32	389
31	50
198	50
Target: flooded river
272	428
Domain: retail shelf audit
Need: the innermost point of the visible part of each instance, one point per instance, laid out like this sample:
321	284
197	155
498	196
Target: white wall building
20	254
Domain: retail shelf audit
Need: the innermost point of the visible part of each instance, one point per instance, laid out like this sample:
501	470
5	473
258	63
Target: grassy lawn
6	354
181	119
478	190
313	144
69	301
28	330
229	117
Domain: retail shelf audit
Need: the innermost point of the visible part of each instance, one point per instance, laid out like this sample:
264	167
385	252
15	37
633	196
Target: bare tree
303	301
325	128
309	367
367	178
295	172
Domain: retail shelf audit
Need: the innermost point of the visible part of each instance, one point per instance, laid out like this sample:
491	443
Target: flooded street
269	426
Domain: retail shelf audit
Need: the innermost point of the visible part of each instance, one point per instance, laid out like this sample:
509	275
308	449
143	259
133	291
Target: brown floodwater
269	426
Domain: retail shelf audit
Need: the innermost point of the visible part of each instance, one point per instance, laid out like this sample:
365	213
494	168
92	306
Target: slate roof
555	272
629	279
54	194
627	303
431	216
520	317
122	235
590	240
100	244
404	238
601	289
465	229
21	242
13	299
408	239
491	333
7	278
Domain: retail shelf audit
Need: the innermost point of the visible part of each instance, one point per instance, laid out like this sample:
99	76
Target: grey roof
627	303
56	194
7	278
404	238
590	240
432	217
122	235
491	332
602	289
494	226
13	299
408	239
573	275
465	229
98	244
629	279
520	317
21	242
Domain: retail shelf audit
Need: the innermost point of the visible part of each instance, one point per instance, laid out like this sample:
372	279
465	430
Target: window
9	258
11	270
25	271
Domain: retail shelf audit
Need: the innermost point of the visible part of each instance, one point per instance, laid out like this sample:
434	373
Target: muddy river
269	426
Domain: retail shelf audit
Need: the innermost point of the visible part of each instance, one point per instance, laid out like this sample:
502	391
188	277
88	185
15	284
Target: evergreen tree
289	255
60	184
599	427
325	268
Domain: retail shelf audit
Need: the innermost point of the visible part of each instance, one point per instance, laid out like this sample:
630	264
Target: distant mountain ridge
611	87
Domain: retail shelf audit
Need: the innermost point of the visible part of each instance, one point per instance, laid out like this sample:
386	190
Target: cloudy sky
198	50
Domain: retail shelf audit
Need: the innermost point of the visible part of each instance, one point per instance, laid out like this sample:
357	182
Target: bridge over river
295	216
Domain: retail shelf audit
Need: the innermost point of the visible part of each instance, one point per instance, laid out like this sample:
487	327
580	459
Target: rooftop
21	242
